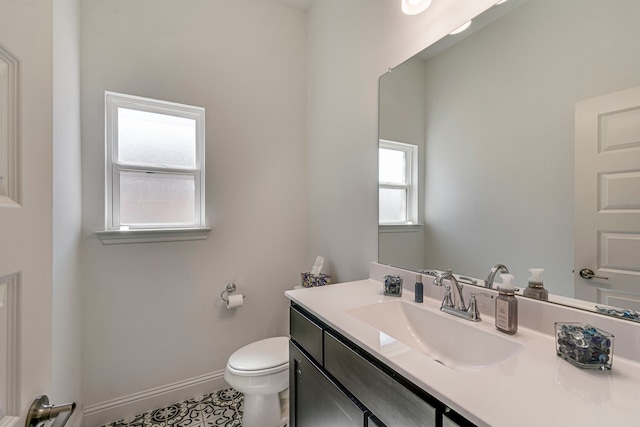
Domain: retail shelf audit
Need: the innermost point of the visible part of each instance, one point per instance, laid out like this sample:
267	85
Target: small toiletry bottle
507	306
536	289
419	290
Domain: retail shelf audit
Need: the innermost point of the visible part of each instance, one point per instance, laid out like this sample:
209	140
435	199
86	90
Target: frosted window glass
393	205
156	139
156	198
392	166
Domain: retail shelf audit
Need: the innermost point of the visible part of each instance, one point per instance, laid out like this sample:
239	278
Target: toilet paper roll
234	301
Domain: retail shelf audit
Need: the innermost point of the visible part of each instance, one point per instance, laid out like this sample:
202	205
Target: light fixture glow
413	7
461	28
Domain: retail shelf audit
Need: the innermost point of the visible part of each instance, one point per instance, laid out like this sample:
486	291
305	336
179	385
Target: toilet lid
261	355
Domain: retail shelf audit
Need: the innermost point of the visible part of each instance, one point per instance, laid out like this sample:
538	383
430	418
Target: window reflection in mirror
397	170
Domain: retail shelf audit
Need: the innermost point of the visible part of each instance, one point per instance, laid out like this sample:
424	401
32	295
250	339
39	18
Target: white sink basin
453	342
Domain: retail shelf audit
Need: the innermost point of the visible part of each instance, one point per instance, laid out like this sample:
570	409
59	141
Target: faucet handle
447	301
473	311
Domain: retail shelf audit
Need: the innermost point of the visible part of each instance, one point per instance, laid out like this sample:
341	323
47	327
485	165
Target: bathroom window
154	164
398	169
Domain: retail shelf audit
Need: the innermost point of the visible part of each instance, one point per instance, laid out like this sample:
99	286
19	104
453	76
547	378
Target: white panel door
607	199
26	219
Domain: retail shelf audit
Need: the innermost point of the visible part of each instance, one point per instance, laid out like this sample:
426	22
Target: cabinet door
374	422
390	401
315	400
453	419
447	422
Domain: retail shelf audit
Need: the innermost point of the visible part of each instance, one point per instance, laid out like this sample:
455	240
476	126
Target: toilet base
262	411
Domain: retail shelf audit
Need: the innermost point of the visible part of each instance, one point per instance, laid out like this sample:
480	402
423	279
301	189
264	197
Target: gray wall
152	312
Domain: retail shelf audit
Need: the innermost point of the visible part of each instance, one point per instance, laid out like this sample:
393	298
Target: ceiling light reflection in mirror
461	28
414	7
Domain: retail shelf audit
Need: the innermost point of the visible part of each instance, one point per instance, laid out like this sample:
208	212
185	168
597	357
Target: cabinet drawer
306	332
316	400
389	400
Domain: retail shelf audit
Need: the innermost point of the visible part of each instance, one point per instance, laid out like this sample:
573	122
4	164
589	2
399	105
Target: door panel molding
618	252
9	130
615	129
10	323
618	192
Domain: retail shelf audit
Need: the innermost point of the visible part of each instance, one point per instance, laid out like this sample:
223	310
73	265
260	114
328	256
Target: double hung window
154	164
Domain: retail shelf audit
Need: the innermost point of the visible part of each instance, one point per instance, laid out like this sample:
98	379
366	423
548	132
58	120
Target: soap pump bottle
419	290
507	306
536	289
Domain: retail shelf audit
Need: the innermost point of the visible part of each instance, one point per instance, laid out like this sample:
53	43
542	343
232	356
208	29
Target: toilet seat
262	357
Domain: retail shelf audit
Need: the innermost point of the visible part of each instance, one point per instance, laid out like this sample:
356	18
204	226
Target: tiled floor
220	408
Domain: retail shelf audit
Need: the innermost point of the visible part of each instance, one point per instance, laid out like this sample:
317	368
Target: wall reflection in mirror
492	114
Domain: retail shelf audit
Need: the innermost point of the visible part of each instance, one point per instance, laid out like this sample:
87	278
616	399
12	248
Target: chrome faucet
458	308
492	274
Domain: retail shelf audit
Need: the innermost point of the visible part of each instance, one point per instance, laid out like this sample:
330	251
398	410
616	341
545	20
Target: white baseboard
79	420
134	404
8	421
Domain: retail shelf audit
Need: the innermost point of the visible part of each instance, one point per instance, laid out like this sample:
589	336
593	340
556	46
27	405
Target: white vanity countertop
533	388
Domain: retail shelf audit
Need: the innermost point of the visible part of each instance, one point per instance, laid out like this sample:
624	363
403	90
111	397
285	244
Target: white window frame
411	180
115	232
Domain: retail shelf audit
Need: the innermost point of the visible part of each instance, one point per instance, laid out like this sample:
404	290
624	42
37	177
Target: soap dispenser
536	289
419	289
507	306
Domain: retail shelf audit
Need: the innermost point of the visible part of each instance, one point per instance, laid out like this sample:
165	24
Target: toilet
260	371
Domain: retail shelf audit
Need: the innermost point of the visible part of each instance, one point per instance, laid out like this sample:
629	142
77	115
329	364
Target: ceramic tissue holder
584	345
314	277
392	285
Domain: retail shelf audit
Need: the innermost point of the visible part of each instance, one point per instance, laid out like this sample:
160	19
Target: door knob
41	411
587	273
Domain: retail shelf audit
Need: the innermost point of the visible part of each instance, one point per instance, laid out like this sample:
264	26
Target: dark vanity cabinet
335	383
316	399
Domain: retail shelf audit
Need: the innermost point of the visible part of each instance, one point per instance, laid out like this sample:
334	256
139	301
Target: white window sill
399	228
115	237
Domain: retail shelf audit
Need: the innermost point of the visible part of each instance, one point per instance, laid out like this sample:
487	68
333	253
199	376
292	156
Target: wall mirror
494	112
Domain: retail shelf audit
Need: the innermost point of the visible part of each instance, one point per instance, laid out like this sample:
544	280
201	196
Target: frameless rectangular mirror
492	113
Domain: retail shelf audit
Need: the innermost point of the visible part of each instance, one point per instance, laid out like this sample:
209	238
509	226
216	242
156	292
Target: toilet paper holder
229	289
